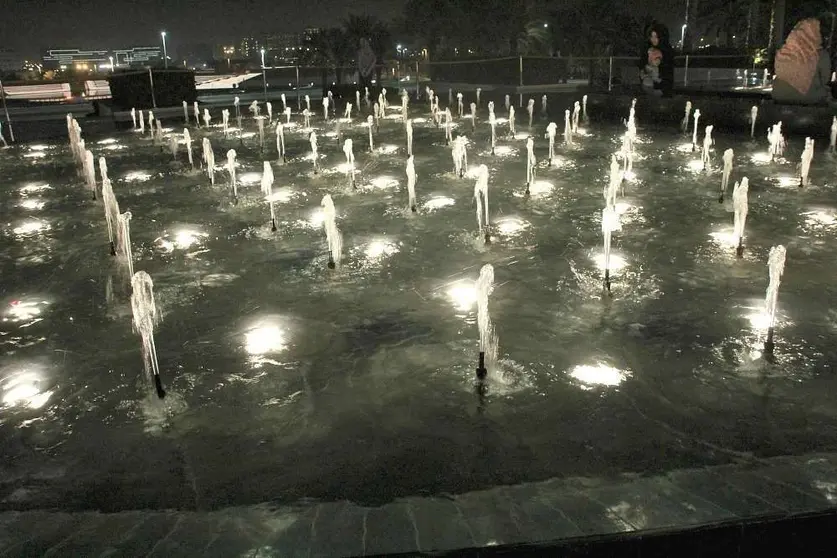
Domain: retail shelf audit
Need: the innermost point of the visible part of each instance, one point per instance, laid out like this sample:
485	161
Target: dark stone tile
36	532
535	517
779	494
6	538
712	487
139	539
591	517
390	529
189	537
488	518
655	503
97	534
230	540
337	529
285	532
440	525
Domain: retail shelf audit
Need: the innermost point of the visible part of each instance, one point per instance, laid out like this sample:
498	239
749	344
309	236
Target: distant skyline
40	24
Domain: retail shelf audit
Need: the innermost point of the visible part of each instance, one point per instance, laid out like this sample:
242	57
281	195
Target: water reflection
32	203
463	294
24	311
33	187
438	202
598	374
24	388
250	178
383	182
183	239
137	176
379	249
511	226
30	228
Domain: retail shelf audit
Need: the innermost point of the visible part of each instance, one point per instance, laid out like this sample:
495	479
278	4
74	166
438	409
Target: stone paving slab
549	511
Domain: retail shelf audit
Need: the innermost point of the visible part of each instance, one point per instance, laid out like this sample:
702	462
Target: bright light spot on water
32	203
511	226
115	147
630	175
38	147
762	157
23	310
250	178
501	120
137	176
598	375
345	168
725	238
290	124
396	116
317	218
35	154
616	262
504	151
437	203
23	389
759	320
820	217
265	339
378	249
107	141
695	165
30	228
383	182
419	120
33	187
280	195
387	149
686	148
472	172
181	240
245	135
463	294
521	136
541	188
331	134
622	207
788	181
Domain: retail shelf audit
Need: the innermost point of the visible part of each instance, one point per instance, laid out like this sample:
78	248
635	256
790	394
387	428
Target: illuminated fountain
231	171
90	172
409	128
225	122
357	100
333	238
507	102
280	141
348	114
832	144
568	130
488	337
777	141
740	206
237	107
255	109
481	199
531	162
610	224
492	121
473	116
269	106
209	160
576	116
123	242
173	145
151	124
544	112
776	268
728	155
707	146
260	124
267	190
306	119
142	122
207	118
376	112
411	183
754	114
695	130
460	105
551	130
325	109
159	132
805	164
531	109
315	156
512	131
197	112
584	116
287	116
612	186
448	127
350	162
479	92
134	117
185	113
146	318
370	123
187	139
460	156
111	213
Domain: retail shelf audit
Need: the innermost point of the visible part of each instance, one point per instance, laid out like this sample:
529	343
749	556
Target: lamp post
264	76
165	54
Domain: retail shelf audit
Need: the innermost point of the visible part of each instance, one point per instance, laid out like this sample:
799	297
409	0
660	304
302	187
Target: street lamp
264	76
165	54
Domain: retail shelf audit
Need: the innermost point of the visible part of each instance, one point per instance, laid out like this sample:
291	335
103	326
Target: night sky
34	25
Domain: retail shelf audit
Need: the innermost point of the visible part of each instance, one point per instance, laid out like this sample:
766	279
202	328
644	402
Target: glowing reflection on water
32	203
383	182
463	294
725	238
599	374
30	228
616	262
788	181
181	240
265	338
686	148
820	217
503	151
107	141
438	202
387	149
761	158
137	176
34	154
24	388
379	249
250	178
24	311
695	165
511	226
33	187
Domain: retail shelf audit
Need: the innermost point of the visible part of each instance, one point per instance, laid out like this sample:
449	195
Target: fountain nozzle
273	225
482	371
721	197
739	251
112	248
158	385
768	344
331	264
607	279
413	209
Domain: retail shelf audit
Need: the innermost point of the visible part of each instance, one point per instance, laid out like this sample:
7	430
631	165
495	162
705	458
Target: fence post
610	74
520	92
686	72
6	110
298	102
418	89
151	81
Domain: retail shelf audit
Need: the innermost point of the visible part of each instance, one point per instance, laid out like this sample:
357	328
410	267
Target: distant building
249	48
284	48
67	58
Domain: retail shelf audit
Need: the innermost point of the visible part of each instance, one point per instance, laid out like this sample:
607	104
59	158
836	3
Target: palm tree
359	27
328	50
